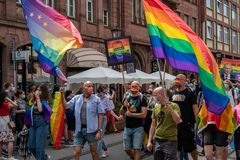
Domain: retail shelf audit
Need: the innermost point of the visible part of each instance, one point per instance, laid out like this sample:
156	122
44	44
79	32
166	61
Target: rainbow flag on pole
174	40
52	35
57	120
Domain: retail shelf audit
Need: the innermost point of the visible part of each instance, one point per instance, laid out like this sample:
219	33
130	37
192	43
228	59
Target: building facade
220	28
94	19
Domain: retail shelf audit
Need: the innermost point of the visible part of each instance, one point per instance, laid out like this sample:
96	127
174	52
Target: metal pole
14	62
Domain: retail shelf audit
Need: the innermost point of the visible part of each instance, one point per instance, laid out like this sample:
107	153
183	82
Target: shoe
4	152
117	131
12	158
3	158
105	154
68	143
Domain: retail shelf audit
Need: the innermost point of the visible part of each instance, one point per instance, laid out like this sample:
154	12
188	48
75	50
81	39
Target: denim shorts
133	138
80	138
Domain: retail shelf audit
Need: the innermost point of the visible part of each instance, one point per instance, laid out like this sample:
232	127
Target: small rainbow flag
57	120
224	122
174	40
52	35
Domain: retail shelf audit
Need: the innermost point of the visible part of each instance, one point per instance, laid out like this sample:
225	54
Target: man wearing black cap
136	106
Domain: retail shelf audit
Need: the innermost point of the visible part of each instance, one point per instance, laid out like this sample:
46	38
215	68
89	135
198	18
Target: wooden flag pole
159	70
124	82
164	71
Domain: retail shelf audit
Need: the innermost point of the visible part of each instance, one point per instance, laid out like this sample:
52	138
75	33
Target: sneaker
105	154
68	143
3	158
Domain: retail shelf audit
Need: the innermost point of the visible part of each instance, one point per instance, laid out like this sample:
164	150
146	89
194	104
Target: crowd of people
157	120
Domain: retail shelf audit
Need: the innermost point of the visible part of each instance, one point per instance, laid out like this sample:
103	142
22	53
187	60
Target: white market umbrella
142	77
99	75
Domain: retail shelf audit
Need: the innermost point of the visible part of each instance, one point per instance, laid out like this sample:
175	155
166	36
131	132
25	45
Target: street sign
22	55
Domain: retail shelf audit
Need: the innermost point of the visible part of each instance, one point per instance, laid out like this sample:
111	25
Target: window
219	33
138	12
185	18
226	35
194	24
105	12
234	40
234	15
105	17
71	8
225	9
209	3
209	29
219	6
89	10
49	2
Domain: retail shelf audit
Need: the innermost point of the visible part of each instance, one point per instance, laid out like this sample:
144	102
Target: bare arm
195	110
176	118
64	103
142	114
100	125
152	130
112	96
114	115
100	121
11	103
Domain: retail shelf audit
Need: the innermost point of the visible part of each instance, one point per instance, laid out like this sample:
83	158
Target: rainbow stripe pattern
57	120
224	122
183	49
52	35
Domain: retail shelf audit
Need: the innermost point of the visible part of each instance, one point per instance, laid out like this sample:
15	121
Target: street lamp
116	32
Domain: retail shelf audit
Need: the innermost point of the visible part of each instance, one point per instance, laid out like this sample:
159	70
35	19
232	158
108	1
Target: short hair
6	85
226	64
68	93
87	82
19	92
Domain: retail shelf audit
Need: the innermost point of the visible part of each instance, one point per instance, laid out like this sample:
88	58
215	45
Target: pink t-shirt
237	113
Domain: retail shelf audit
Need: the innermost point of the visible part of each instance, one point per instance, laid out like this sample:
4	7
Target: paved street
114	143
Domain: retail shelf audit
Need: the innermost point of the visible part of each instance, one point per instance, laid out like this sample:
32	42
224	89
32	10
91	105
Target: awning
85	57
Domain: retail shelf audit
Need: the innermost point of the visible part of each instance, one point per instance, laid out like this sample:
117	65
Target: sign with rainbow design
119	50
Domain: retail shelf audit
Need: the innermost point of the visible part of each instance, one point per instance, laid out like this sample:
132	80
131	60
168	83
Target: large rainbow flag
175	41
57	120
52	35
224	122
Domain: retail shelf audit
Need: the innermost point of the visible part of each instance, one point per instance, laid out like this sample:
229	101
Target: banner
119	50
235	73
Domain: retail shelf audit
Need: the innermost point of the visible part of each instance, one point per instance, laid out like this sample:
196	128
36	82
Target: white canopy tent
99	75
168	77
142	77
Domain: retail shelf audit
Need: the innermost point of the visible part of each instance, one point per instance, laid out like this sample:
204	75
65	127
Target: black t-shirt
136	104
185	99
